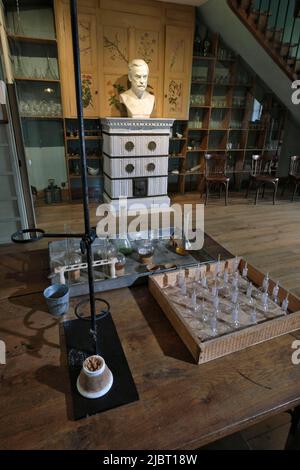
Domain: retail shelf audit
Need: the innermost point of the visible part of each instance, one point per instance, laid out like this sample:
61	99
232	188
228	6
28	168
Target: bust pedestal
135	161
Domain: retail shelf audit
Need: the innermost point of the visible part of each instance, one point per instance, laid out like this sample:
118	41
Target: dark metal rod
285	20
277	14
297	53
84	180
292	35
259	9
268	13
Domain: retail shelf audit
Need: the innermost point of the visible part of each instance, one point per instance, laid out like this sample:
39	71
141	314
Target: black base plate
79	347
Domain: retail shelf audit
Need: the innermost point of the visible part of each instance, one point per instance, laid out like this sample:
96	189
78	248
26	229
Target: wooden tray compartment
192	331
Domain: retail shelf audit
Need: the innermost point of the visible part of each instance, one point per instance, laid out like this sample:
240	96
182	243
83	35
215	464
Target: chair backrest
215	165
295	165
262	164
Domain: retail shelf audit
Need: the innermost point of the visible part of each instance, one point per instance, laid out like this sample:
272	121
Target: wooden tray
196	334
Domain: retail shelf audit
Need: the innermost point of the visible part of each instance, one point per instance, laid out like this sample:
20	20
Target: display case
39	99
30	19
31	34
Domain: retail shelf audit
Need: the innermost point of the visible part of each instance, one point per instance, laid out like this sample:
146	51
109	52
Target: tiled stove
135	160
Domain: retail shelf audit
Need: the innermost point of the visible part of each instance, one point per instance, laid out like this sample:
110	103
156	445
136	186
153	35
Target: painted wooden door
87	29
178	67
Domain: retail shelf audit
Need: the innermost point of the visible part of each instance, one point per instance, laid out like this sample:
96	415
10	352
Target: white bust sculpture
139	103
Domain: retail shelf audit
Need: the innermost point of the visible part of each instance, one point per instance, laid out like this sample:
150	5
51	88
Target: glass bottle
206	45
120	265
197	43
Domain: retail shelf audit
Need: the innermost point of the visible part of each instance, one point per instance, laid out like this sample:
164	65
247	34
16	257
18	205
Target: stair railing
276	25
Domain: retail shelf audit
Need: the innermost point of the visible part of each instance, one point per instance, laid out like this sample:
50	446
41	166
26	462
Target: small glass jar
108	250
124	246
120	264
145	250
74	258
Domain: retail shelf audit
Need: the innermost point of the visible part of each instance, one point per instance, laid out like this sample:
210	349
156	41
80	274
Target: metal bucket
57	298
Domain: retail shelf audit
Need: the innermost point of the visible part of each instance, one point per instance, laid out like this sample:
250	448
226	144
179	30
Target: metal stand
124	390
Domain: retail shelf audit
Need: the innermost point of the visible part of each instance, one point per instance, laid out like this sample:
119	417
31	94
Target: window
257	110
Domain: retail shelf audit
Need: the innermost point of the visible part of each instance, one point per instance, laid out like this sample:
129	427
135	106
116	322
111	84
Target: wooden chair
262	175
215	173
294	174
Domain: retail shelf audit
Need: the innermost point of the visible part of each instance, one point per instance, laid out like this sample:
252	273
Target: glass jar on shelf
206	45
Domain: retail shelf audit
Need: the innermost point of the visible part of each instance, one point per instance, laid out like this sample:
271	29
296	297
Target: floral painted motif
114	94
146	49
85	38
86	83
113	45
175	95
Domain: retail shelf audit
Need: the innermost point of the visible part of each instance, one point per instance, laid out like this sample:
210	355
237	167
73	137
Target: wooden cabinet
178	60
111	35
65	56
87	29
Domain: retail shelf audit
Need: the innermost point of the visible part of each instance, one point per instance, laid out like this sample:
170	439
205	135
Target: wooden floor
267	236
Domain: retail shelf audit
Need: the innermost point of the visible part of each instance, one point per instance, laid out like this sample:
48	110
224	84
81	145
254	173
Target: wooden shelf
197	129
233	59
218	129
86	137
16	37
27	79
200	82
196	106
223	84
89	176
200	57
42	118
88	158
221	87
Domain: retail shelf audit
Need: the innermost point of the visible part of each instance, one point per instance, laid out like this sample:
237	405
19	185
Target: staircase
276	25
266	37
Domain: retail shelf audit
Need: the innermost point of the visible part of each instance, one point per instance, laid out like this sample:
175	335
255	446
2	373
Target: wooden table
182	405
